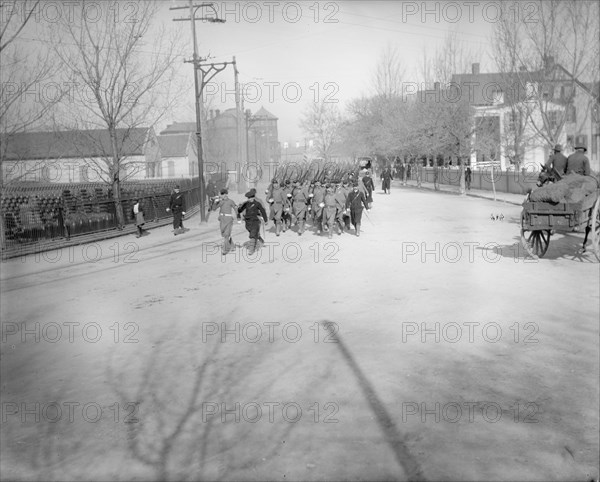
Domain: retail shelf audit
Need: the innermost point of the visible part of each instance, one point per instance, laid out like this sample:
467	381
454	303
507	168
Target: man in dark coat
177	207
355	202
468	177
369	187
253	212
386	179
578	162
557	161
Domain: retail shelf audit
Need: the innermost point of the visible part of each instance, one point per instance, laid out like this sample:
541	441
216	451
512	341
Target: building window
552	117
571	113
581	140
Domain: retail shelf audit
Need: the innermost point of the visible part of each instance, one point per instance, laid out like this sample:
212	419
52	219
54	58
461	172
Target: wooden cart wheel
535	242
595	226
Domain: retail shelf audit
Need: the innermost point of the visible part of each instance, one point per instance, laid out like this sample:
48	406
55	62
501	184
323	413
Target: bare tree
122	85
322	121
545	63
453	58
389	73
26	98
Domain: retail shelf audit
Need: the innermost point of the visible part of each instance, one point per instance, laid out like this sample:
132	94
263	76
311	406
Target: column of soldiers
330	207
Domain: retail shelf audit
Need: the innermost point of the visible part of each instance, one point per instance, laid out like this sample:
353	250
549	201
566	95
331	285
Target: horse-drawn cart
539	220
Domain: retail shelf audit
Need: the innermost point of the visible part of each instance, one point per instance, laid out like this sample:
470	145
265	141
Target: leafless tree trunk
389	74
121	82
322	121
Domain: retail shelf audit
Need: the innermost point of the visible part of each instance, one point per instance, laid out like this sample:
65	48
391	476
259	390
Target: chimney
436	86
211	114
522	68
549	63
475	69
217	112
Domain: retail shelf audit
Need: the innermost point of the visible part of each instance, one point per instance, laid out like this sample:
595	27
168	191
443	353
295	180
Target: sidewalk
505	197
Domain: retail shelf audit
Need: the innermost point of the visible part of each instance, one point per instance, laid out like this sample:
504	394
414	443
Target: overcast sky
313	49
292	53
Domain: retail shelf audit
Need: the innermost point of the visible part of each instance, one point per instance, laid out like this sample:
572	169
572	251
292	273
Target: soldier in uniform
557	161
355	202
227	210
318	195
578	162
300	199
341	194
287	209
330	210
177	207
253	211
278	201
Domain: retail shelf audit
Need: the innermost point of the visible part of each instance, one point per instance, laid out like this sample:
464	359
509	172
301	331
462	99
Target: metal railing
37	214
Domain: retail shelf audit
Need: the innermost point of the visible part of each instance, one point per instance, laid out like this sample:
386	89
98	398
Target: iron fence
35	213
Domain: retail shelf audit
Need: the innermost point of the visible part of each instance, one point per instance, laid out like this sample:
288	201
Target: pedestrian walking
369	187
354	203
138	214
227	211
386	180
177	207
468	175
253	210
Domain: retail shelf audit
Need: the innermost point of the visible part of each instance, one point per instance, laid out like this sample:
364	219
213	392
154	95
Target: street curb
470	194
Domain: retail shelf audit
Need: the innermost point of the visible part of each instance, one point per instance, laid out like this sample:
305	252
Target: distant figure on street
468	175
177	207
578	162
138	214
370	187
386	180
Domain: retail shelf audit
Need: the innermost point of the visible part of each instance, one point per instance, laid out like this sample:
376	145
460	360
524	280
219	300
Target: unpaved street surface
428	347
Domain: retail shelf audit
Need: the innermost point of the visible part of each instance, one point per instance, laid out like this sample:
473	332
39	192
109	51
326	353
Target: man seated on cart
578	162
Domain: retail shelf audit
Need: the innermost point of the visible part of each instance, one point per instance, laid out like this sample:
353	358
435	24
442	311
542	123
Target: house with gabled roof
78	155
178	155
533	111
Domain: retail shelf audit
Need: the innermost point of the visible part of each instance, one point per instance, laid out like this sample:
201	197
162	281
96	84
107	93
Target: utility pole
198	87
238	118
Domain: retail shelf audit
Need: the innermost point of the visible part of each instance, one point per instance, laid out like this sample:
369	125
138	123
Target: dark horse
547	175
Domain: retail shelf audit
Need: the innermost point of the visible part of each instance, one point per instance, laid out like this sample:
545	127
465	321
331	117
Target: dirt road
427	348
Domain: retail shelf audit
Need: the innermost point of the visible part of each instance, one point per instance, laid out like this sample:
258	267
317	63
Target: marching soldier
355	202
253	212
300	199
341	195
177	207
227	210
330	211
278	201
318	195
287	209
